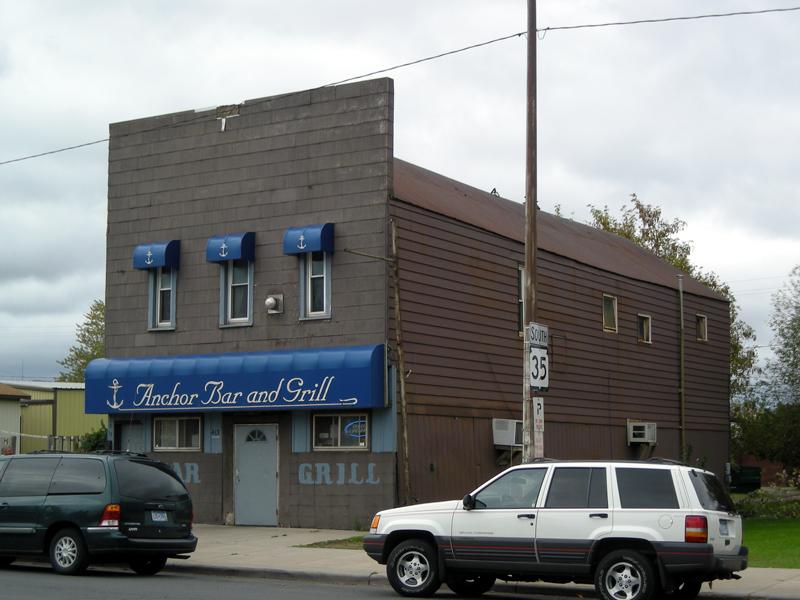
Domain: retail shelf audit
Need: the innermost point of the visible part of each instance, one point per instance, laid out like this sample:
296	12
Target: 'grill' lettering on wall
336	474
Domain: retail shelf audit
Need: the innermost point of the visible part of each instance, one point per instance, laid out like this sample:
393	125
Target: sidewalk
271	552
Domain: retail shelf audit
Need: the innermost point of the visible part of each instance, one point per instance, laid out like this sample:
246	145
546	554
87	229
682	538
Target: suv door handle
598	516
526	516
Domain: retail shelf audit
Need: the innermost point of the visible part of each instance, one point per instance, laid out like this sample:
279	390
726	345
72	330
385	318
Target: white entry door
255	476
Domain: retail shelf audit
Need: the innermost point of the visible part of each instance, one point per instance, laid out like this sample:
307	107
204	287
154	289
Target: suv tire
147	566
625	575
68	552
413	569
470	586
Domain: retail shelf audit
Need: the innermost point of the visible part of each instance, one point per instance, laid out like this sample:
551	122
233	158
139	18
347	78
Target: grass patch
352	543
773	542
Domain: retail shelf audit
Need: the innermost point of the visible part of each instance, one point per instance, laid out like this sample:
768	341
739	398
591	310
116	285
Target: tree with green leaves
90	343
645	225
784	368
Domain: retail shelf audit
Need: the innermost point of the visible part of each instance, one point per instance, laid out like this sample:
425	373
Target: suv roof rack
666	461
50	452
544	459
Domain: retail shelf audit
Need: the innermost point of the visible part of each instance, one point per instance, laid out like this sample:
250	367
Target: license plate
723	528
158	515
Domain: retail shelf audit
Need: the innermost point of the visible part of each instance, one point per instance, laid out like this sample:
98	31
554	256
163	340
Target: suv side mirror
469	502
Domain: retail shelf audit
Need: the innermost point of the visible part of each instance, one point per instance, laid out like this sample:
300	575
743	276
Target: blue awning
157	255
234	246
309	238
349	377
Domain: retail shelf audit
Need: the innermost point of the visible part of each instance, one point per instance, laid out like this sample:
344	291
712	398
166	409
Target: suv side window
646	488
3	464
578	487
79	476
28	477
517	489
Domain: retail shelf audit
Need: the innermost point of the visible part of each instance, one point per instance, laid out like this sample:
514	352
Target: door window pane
79	476
28	477
646	488
517	489
578	487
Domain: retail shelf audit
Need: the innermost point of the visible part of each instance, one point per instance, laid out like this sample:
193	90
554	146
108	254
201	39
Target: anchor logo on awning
223	250
114	403
149	255
301	242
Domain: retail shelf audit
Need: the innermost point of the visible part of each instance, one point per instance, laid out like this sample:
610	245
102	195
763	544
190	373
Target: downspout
682	374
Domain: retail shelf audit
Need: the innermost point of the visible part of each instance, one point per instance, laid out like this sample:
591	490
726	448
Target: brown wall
464	353
202	474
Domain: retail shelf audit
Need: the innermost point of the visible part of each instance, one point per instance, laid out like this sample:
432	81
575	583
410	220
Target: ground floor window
176	433
341	431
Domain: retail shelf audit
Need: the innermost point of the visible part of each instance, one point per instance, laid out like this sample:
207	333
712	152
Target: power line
450	53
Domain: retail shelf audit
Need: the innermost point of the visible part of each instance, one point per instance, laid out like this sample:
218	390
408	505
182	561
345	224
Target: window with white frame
701	322
176	433
236	279
347	431
609	313
161	305
643	333
315	272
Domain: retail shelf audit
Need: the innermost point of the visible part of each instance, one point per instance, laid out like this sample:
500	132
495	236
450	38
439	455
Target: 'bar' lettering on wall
188	472
336	474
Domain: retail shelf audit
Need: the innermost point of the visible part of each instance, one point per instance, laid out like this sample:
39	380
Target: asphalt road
23	582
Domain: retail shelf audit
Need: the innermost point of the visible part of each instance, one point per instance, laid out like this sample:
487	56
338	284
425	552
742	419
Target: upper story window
313	245
160	260
643	333
234	253
701	322
609	313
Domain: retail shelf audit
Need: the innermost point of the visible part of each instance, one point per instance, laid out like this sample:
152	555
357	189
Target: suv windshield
148	480
711	493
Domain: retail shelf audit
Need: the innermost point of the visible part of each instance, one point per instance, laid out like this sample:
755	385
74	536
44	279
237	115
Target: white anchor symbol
301	242
149	259
223	250
114	403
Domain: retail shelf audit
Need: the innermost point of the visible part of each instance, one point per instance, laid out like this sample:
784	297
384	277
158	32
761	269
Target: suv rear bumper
699	560
111	541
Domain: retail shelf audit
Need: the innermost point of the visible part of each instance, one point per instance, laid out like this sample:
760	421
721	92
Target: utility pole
529	280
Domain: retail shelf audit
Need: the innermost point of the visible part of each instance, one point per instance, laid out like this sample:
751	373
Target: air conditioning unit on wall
640	432
507	432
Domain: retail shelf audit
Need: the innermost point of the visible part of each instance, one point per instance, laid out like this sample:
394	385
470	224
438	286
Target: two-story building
251	315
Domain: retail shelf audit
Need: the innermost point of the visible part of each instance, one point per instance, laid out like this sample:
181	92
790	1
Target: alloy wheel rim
623	581
66	552
413	569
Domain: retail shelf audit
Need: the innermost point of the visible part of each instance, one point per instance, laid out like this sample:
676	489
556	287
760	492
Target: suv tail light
110	516
696	529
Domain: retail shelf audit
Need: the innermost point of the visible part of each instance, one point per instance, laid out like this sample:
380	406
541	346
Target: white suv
637	530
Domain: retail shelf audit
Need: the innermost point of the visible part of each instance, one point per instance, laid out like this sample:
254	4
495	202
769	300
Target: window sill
161	328
236	324
316	318
352	449
177	449
610	330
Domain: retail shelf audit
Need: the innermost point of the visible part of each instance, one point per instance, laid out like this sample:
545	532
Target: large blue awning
309	238
331	378
157	255
234	246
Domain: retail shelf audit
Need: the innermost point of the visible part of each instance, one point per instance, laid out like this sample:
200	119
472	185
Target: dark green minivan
90	508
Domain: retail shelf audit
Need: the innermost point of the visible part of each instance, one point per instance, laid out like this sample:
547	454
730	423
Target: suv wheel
685	590
148	566
470	586
412	569
68	552
624	575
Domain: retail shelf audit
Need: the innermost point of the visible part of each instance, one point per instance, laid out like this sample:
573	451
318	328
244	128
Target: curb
373	579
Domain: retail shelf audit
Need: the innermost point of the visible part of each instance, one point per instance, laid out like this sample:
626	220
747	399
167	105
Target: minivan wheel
148	566
625	575
68	552
470	586
413	569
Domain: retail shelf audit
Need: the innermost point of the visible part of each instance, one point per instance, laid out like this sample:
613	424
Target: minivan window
710	492
148	480
79	476
578	487
646	488
28	477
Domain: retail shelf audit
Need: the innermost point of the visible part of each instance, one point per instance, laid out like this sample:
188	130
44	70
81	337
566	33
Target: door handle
598	516
526	516
4	506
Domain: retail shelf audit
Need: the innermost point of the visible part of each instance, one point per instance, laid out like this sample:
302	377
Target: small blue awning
309	238
234	246
157	255
349	377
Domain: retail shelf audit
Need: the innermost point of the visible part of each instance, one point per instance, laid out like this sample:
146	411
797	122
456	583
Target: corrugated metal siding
37	419
9	421
70	416
464	353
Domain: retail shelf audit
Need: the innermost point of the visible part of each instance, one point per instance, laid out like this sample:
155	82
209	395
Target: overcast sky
698	117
